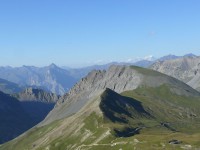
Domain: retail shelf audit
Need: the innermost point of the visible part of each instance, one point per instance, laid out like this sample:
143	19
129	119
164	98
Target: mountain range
60	79
103	106
124	107
50	78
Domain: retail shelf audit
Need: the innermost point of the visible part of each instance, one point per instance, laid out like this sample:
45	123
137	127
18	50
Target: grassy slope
166	106
97	132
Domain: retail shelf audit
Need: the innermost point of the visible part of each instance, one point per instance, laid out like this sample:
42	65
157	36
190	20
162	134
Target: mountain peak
168	57
53	65
189	55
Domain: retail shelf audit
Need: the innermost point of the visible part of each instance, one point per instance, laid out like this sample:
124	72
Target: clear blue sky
76	32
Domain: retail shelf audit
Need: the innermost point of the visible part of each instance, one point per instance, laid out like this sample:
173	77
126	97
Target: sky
84	32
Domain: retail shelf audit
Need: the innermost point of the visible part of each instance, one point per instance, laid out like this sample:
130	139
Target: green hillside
145	118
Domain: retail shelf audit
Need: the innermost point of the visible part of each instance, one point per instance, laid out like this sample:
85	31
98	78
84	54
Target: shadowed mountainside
37	103
23	110
14	120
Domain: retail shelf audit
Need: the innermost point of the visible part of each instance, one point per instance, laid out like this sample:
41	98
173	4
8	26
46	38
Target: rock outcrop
31	94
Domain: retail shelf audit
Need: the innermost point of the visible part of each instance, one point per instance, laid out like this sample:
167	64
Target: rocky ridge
116	78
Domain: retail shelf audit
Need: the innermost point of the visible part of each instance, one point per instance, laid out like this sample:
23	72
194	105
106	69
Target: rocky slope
171	57
186	69
121	108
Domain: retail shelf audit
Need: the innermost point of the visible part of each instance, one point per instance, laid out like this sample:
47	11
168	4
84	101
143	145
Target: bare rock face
186	69
116	78
31	94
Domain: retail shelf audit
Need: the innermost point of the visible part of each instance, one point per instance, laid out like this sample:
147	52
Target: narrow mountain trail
91	145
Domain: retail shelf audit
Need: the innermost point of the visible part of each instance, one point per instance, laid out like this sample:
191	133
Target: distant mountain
189	55
79	73
123	107
168	57
9	87
186	69
171	57
59	80
51	78
143	63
